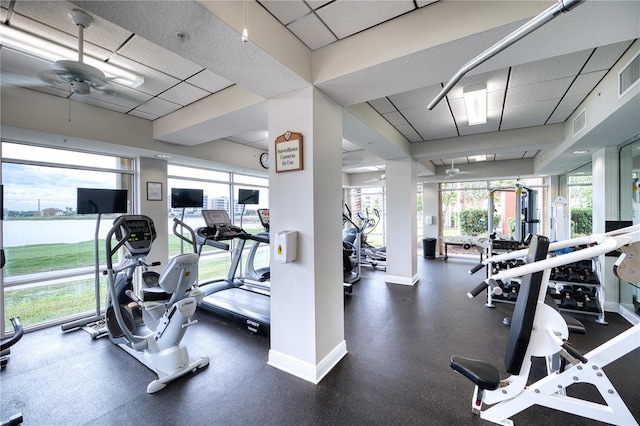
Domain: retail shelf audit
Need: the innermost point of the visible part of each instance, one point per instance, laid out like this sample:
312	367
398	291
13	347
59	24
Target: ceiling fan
80	77
453	171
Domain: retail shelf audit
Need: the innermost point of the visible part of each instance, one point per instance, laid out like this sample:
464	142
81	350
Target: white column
402	222
154	170
307	298
606	191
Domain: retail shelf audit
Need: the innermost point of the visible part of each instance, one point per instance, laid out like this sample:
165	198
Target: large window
369	202
50	254
220	192
465	207
580	200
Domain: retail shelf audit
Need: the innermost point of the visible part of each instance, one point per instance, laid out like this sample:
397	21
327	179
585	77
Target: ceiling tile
422	113
409	133
495	81
209	81
157	106
155	82
312	32
382	105
315	4
523	95
415	98
585	83
53	19
606	56
286	11
565	108
68	40
395	118
339	14
152	55
184	94
529	115
548	69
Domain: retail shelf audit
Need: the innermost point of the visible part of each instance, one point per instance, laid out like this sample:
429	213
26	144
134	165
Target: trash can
429	247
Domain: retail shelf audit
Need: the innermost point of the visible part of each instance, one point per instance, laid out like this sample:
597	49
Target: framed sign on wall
289	152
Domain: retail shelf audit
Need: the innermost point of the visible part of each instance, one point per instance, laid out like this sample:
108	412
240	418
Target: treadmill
244	299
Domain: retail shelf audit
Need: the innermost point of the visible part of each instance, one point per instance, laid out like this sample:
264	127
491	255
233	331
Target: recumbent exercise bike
170	298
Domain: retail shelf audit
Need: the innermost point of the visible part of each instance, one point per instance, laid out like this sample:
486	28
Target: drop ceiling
537	83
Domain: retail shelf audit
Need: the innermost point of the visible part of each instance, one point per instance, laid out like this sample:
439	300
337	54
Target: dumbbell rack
577	289
574	287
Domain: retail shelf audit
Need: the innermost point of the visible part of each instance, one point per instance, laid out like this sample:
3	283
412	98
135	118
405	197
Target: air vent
580	122
629	77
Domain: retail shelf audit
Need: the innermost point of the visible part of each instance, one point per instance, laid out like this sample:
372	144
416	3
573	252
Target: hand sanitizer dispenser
285	246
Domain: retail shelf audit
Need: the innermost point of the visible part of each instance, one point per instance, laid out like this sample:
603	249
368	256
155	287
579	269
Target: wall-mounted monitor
248	196
93	201
185	197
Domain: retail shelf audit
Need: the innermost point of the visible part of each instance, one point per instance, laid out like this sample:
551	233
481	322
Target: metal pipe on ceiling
561	6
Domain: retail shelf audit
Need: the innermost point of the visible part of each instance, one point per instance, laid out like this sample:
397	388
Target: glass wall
579	192
50	249
465	205
369	202
220	192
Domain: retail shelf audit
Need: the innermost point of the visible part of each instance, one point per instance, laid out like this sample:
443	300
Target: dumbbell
568	302
590	305
512	291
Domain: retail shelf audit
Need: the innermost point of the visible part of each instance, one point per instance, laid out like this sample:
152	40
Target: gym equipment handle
496	290
476	268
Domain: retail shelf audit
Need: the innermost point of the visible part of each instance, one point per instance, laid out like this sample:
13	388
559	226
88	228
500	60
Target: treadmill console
142	232
263	214
218	227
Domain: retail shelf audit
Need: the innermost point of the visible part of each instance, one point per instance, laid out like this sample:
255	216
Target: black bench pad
485	376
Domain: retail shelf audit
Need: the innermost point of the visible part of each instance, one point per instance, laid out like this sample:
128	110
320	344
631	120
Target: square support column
402	222
307	297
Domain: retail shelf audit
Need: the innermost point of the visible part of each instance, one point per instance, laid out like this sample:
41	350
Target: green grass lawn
37	304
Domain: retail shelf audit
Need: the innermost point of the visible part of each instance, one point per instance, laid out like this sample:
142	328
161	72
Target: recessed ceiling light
163	156
478	158
581	151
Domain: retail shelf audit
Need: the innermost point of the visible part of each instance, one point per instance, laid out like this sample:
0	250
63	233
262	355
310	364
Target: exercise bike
170	299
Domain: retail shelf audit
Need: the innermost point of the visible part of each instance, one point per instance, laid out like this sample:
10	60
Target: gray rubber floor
399	338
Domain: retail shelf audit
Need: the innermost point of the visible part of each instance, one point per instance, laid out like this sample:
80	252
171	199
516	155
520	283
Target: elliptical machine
375	256
170	298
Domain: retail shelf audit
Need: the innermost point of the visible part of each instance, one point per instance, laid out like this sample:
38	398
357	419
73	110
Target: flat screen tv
92	201
248	196
185	197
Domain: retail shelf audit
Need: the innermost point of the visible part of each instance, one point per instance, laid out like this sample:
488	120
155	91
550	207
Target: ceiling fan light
475	102
37	47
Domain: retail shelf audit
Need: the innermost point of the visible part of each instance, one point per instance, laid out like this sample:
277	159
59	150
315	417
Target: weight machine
538	330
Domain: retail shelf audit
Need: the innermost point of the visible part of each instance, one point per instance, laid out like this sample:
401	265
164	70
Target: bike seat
155	294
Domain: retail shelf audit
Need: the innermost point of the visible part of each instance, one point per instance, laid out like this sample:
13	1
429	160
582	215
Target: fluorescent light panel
475	101
44	49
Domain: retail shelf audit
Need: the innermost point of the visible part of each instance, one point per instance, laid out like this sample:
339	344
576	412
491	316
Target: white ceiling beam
527	139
